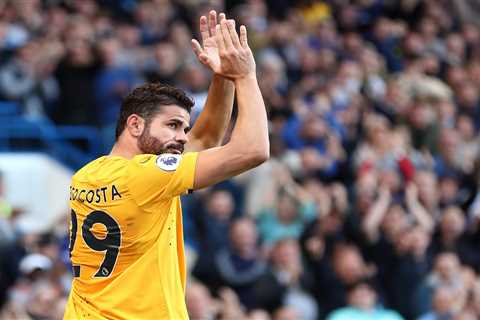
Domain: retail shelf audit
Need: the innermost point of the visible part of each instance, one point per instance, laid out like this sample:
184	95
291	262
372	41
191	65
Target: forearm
248	146
421	215
298	193
374	218
210	127
251	129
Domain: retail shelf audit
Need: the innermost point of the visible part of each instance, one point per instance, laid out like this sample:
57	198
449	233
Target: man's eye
172	125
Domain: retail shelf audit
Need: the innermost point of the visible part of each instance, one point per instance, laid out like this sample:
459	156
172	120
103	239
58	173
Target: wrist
246	78
219	78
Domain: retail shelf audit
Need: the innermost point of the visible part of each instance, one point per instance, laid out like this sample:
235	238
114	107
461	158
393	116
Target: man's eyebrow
178	120
181	122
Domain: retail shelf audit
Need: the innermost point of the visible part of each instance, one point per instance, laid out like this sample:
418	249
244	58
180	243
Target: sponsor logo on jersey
168	162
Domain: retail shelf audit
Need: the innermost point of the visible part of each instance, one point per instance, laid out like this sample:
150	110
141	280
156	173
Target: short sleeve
154	178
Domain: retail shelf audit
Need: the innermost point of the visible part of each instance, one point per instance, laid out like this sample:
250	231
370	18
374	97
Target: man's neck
121	150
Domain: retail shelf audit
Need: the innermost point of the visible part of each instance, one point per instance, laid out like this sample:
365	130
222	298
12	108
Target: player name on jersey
103	194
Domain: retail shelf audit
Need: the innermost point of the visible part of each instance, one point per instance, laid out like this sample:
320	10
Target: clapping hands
224	51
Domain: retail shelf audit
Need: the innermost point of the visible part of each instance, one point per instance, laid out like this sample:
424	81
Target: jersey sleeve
154	178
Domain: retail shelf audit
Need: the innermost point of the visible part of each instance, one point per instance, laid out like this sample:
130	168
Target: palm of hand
211	50
212	53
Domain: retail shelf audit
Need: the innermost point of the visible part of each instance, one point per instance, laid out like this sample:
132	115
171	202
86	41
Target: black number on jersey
73	231
110	243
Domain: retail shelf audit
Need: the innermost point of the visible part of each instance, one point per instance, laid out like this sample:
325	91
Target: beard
151	145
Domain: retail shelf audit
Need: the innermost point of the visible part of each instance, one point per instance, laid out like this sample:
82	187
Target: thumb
204	59
197	48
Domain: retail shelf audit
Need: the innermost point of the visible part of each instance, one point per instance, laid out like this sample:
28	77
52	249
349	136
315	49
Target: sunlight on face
166	132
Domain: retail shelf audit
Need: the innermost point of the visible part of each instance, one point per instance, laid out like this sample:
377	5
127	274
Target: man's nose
181	137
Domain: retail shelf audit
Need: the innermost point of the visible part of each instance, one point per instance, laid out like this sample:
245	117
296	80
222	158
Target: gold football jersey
126	237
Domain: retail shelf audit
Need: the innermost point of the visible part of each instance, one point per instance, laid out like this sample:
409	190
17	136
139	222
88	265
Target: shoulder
342	314
392	315
142	159
166	162
100	168
92	164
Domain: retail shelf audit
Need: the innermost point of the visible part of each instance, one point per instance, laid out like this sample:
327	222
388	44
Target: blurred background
369	207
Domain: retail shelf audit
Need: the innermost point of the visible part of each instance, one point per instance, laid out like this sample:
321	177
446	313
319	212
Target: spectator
214	224
239	266
112	83
362	304
442	305
26	80
200	304
374	126
453	238
335	275
289	271
285	313
76	74
287	215
446	273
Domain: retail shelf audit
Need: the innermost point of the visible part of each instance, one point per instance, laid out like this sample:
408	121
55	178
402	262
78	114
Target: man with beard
127	252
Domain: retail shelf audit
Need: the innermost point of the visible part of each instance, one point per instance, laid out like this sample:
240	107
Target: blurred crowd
369	207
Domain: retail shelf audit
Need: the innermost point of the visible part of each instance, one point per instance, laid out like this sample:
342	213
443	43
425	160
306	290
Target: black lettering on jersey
104	189
115	192
73	231
73	237
80	195
92	193
75	194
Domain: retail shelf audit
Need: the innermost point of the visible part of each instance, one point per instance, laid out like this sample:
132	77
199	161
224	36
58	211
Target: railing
72	145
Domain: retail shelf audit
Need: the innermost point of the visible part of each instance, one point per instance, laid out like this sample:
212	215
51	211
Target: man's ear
135	125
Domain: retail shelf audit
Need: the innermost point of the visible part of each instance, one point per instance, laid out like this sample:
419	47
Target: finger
219	39
233	34
212	22
197	48
204	59
243	37
221	17
226	35
204	28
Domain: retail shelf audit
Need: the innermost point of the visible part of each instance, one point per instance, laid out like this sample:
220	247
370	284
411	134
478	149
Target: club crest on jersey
168	162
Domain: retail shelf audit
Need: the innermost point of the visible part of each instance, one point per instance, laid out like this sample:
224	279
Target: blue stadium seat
72	145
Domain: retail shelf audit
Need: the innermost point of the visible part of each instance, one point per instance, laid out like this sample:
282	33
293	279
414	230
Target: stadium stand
369	207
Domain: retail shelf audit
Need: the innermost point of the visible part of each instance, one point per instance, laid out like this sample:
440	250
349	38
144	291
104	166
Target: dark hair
147	100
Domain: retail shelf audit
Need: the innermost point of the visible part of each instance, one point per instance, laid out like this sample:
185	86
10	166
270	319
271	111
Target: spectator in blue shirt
362	305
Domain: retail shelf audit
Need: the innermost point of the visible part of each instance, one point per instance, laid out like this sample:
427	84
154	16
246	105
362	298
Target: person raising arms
126	240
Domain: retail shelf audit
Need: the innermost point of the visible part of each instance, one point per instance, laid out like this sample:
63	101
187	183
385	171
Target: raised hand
236	58
411	193
207	52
